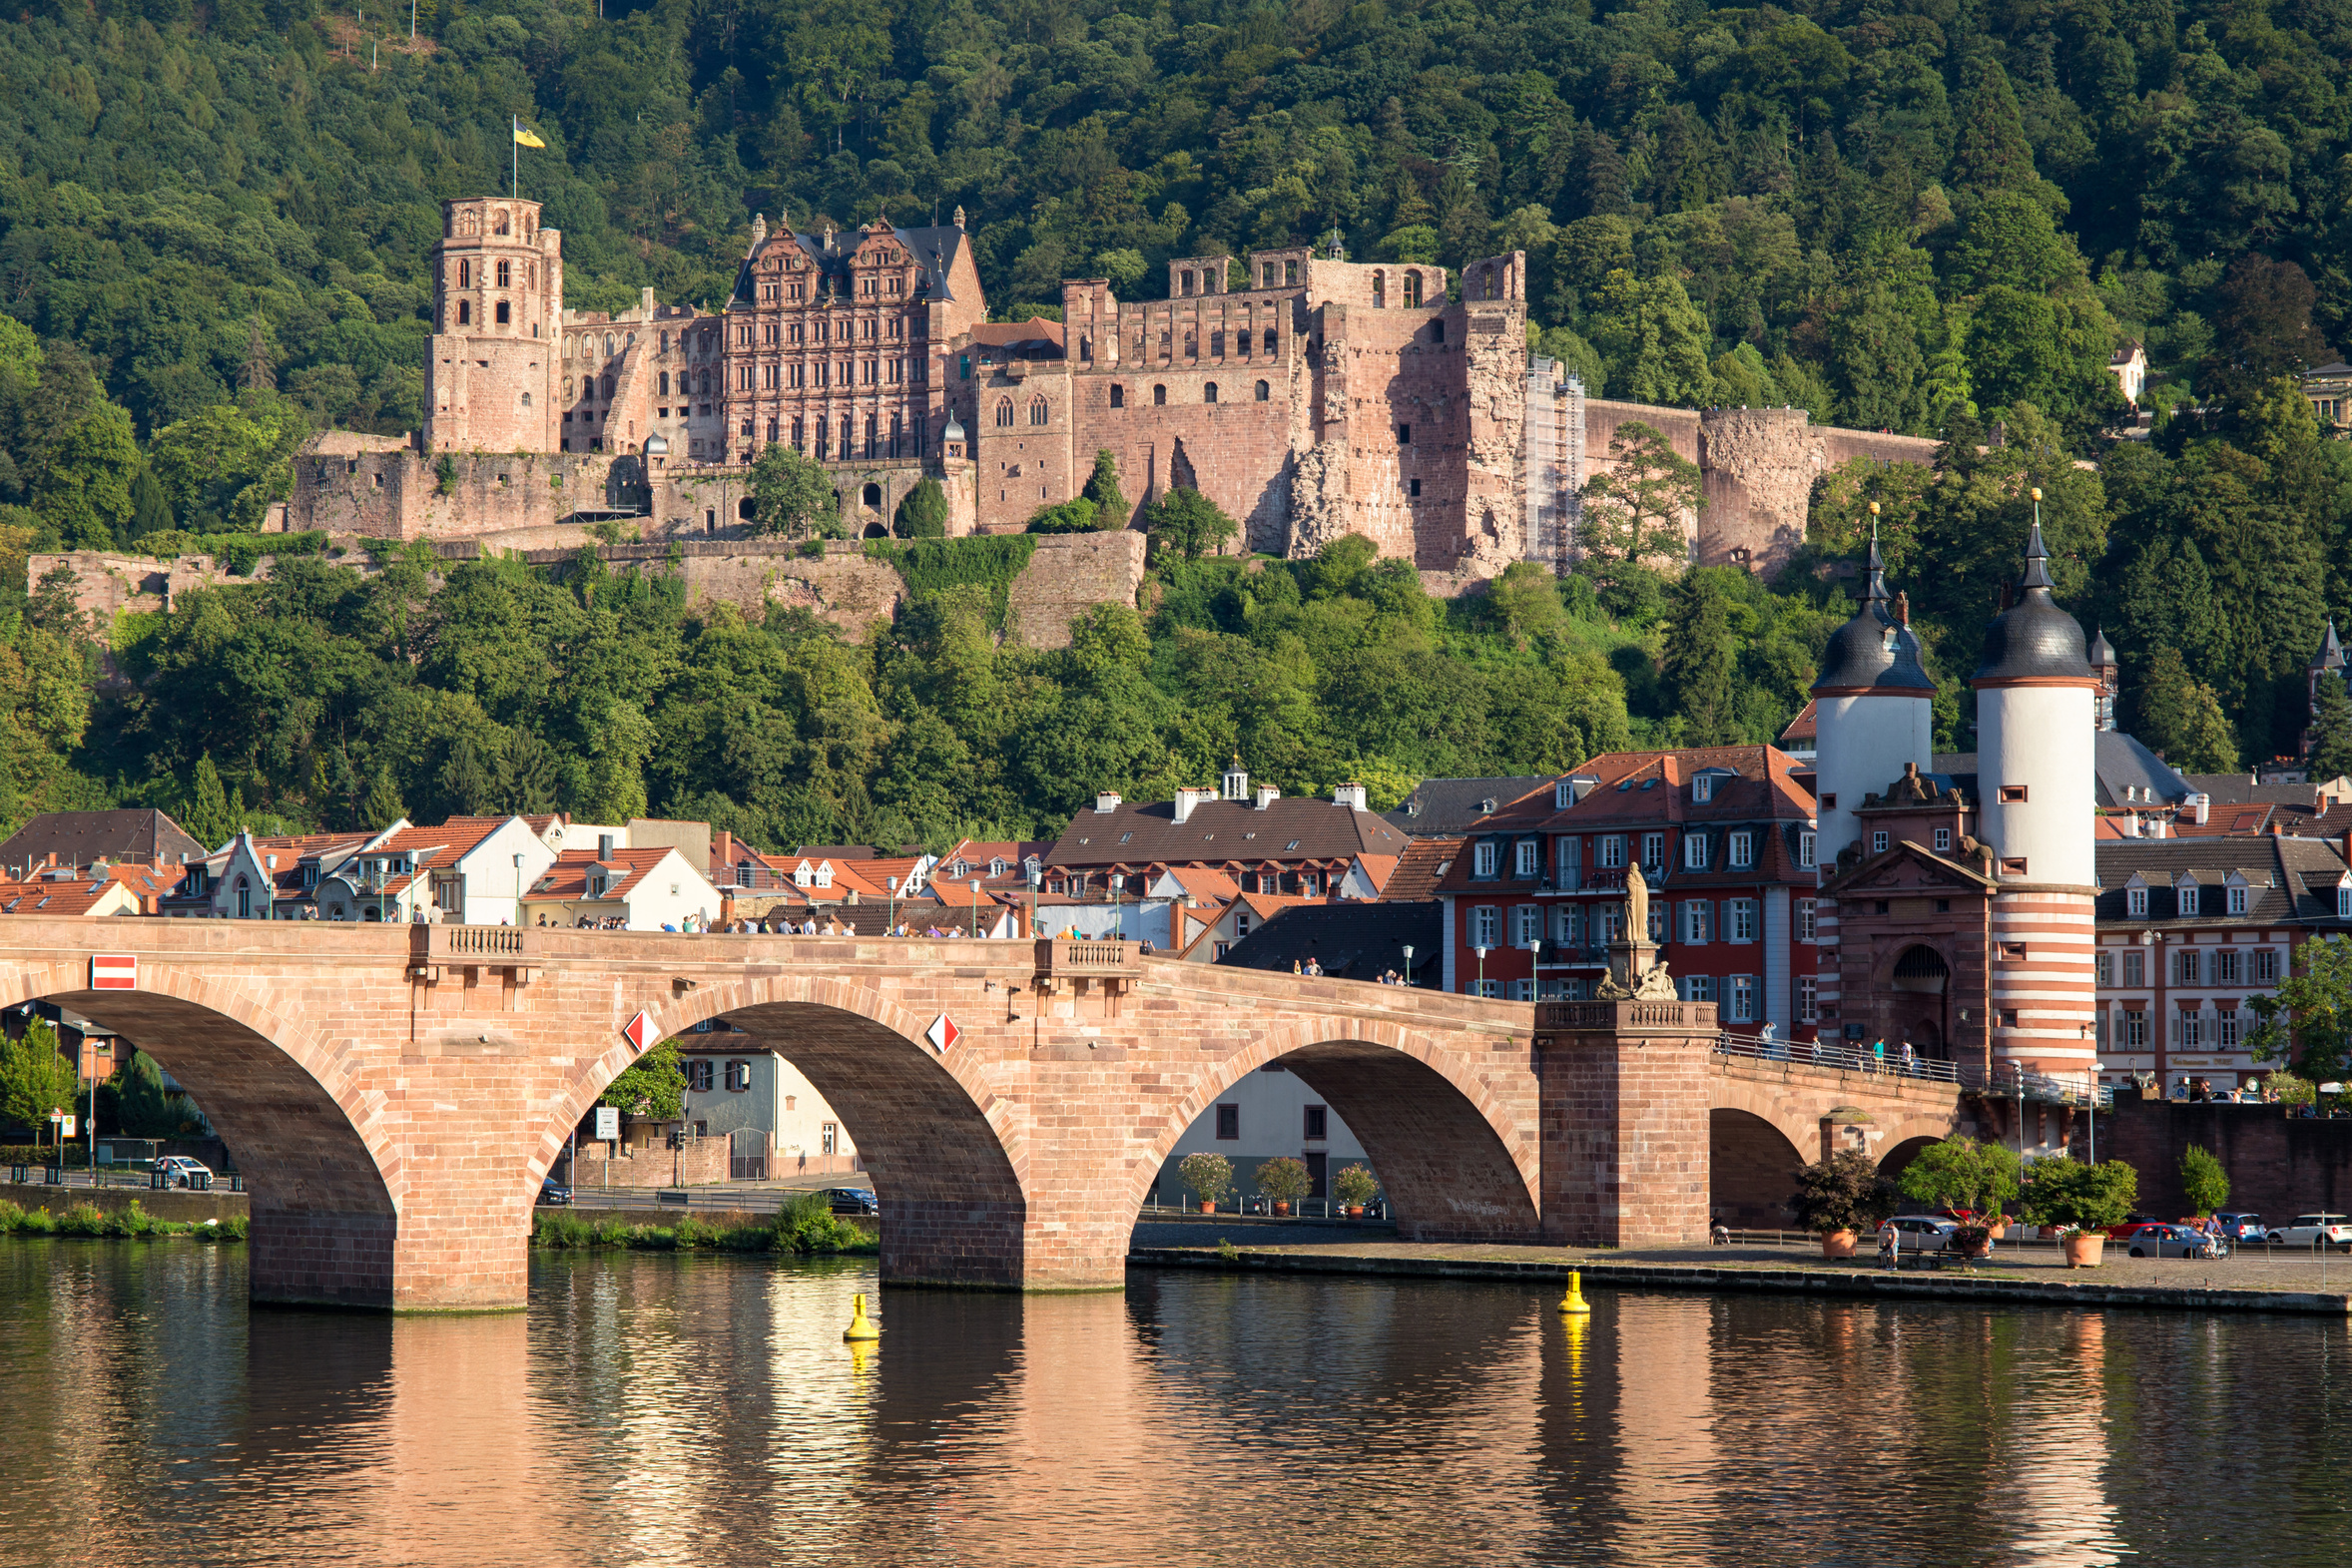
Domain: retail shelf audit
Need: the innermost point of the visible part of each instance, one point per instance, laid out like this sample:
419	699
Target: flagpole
514	156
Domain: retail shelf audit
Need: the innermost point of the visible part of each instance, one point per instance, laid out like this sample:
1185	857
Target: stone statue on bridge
1637	906
1631	976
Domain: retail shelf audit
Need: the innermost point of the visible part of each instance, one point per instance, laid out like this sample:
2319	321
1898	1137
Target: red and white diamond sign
640	1032
942	1033
114	972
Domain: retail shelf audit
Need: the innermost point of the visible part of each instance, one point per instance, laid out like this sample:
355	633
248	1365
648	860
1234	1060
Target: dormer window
2344	900
1743	849
997	866
2236	898
2136	902
1702	789
1529	853
1484	860
1695	849
2186	891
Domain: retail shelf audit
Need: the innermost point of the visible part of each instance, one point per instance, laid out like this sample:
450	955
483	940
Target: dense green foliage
132	1224
1845	1192
807	1228
2202	1179
34	1078
214	224
2073	1195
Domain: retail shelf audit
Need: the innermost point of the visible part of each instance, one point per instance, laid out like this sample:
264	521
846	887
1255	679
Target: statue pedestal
1630	960
1625	1116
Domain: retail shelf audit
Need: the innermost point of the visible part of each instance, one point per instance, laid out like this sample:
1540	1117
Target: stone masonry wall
2277	1166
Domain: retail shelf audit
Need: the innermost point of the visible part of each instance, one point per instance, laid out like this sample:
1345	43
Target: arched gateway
395	1094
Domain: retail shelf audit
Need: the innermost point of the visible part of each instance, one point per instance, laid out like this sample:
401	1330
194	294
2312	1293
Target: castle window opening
506	274
1270	339
465	275
1184	281
1209	393
1436	331
1037	410
897	330
1290	272
1164	344
1264	392
527	400
710	519
1217	344
744	510
502	313
1003	413
1192	346
567	391
1118	396
872	328
967	364
1404	435
1266	275
1159	397
1086	349
665	342
873	434
464	313
499	224
1411	289
665	383
800	436
706	383
608	345
824	441
1412	487
608	388
1380	291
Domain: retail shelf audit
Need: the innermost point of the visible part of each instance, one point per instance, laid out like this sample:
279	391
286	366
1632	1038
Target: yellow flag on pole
524	136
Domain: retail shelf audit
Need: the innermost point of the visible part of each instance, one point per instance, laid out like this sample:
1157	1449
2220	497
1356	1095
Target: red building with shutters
1724	836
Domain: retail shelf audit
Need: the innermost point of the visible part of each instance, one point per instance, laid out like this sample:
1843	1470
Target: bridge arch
947	1163
320	1156
1455	1161
1752	1165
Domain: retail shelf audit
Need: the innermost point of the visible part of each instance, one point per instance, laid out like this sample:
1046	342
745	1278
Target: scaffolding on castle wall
1555	459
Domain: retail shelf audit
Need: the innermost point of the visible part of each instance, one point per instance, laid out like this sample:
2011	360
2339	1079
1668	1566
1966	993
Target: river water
661	1409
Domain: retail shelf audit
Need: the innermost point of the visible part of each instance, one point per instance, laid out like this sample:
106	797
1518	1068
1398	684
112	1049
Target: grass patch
806	1227
132	1224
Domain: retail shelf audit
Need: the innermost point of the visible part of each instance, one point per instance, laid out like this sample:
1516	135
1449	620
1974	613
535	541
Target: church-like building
1955	910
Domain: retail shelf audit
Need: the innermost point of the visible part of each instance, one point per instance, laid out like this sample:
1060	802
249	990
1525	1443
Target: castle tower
490	372
1874	706
2328	660
2035	697
2110	679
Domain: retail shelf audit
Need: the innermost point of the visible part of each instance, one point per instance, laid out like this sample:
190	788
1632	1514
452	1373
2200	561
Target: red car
2118	1233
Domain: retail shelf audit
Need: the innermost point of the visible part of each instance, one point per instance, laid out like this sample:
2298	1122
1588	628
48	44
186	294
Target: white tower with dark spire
1874	710
2036	698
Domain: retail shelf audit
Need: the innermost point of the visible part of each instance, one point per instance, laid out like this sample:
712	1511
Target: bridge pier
1625	1108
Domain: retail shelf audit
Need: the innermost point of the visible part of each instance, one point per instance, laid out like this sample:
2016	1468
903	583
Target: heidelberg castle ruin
1308	396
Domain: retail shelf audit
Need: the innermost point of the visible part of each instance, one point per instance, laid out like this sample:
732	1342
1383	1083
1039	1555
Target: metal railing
2006	1080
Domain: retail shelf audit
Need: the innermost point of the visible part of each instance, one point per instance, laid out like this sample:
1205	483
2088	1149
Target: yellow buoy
861	1326
1574	1304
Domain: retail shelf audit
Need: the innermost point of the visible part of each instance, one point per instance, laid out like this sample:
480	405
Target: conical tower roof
2331	650
1877	651
2034	640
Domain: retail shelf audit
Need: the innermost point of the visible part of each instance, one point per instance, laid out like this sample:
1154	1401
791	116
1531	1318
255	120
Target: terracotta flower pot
1208	1205
1355	1211
2084	1248
1837	1244
1280	1206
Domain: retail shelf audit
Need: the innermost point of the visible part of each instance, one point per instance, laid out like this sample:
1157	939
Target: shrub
1355	1186
923	514
1843	1193
561	1232
1963	1173
808	1225
1284	1178
2204	1181
2068	1195
1210	1175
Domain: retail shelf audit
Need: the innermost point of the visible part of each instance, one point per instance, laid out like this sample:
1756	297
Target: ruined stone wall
1067	575
1758	466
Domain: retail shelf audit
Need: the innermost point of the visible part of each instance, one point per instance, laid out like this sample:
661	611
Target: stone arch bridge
395	1095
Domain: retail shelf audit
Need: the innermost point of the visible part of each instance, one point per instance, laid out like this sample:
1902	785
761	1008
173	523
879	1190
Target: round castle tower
2037	700
490	371
1872	710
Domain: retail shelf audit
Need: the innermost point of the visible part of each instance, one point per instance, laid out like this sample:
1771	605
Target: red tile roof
568	877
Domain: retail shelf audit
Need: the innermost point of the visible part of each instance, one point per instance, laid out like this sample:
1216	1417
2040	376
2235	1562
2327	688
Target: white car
1920	1233
178	1169
2315	1230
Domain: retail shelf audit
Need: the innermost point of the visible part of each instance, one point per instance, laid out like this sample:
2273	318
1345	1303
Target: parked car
2131	1223
2169	1241
179	1171
2240	1227
554	1193
1922	1233
2315	1230
853	1199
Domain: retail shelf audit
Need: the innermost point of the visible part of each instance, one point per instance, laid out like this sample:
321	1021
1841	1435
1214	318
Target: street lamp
1409	966
518	893
1535	965
1481	952
974	885
893	883
1118	909
1036	884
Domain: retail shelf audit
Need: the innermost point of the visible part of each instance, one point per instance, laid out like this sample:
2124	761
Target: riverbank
127	1221
167	1203
2247	1283
805	1230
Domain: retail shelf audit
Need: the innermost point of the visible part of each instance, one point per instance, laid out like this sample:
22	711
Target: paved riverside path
2254	1280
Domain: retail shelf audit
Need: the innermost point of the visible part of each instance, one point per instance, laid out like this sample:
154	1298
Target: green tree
1187	523
34	1078
2073	1195
150	512
790	494
1962	1174
221	469
1845	1192
1989	152
207	818
1701	658
84	491
1654	341
2307	1023
384	807
923	514
1102	489
1067	517
2202	1179
652	1088
1634	510
2181	718
2331	728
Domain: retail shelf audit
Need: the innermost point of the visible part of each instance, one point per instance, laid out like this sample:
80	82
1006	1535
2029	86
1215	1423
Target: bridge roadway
395	1094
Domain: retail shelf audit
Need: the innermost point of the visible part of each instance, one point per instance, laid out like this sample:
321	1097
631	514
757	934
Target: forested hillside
1938	219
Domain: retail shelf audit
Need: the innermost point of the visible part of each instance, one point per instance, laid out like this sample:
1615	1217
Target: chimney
2203	804
1188	797
1349	795
2130	824
604	847
1106	802
1267	795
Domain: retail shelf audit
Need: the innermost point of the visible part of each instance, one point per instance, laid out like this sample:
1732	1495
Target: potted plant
1210	1175
1284	1181
1354	1187
1967	1178
2082	1202
1841	1195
